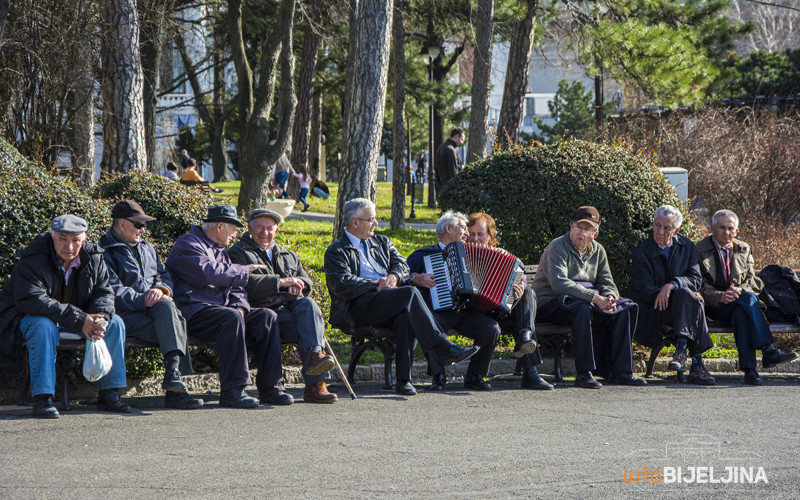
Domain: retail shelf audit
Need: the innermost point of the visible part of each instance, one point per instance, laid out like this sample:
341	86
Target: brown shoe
319	363
318	393
698	375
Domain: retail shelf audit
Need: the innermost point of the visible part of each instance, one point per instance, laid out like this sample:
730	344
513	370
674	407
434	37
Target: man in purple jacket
209	290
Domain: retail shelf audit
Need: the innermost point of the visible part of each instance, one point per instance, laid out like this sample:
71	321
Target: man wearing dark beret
60	286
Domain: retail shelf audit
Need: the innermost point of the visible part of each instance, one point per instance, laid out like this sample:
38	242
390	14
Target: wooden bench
203	186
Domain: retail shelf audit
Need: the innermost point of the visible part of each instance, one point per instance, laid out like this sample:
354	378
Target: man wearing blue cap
61	285
209	291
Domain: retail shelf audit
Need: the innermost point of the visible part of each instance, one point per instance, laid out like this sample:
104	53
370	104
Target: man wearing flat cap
60	286
574	287
285	287
210	292
143	291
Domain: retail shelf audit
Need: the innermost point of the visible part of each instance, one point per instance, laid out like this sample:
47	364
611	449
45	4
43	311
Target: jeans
280	181
42	337
302	196
300	321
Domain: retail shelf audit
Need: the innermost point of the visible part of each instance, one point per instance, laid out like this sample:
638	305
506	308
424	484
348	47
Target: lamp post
431	52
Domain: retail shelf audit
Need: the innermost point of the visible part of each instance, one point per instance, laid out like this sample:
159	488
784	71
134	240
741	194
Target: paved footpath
566	443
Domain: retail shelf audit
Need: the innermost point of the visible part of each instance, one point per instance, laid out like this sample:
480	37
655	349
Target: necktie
377	267
727	264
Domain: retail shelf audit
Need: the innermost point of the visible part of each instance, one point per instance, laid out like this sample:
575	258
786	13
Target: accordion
472	275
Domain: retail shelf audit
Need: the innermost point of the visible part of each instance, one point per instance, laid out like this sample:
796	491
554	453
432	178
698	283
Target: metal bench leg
518	367
359	346
65	363
557	361
25	389
653	357
388	357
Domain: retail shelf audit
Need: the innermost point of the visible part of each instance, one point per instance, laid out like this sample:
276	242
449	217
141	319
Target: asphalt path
566	443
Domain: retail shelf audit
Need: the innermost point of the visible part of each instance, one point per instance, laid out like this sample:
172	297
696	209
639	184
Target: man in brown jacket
730	289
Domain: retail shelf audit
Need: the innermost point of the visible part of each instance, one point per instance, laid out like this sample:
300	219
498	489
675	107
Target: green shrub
532	193
30	197
176	207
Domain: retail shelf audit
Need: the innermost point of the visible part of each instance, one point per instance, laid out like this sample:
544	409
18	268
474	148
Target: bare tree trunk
315	142
305	89
519	58
258	152
80	134
481	77
216	127
124	146
367	72
5	6
398	130
598	105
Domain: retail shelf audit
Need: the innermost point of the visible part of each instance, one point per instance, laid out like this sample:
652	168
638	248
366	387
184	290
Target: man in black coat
143	291
665	279
60	286
366	275
448	163
282	285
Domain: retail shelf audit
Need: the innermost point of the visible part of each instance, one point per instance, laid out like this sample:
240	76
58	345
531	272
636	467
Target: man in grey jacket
284	286
143	298
574	287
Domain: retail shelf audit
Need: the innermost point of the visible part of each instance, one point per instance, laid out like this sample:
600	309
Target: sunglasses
136	224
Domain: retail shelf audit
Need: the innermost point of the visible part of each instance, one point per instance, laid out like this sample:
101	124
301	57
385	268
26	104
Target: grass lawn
383	202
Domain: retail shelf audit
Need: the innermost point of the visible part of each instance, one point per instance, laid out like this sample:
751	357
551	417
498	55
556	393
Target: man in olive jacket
60	286
284	286
730	290
665	279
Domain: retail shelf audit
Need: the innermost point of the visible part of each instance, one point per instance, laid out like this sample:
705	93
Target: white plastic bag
96	360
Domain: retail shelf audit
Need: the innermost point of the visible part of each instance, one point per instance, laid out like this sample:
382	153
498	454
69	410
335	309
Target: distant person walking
305	181
422	167
280	174
448	163
184	159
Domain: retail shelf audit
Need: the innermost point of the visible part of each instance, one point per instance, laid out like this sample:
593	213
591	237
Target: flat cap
264	212
223	213
68	224
131	210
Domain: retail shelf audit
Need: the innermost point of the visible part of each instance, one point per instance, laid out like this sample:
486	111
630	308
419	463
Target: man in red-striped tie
730	290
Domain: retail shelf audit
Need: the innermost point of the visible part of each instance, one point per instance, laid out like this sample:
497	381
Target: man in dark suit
665	279
730	289
366	275
448	163
282	285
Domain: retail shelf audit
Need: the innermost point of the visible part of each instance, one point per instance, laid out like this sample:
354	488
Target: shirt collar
721	248
441	245
355	241
671	241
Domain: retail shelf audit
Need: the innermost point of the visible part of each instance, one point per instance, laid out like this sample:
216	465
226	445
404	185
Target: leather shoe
475	383
626	378
277	398
318	363
43	407
181	401
678	362
108	400
532	380
698	375
752	378
453	354
318	393
172	382
523	344
777	357
405	388
236	398
586	381
438	382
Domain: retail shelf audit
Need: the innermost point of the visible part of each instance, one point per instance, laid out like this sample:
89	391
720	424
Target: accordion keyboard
441	296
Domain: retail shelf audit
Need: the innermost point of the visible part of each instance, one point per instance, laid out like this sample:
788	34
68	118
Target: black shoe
678	362
698	375
532	380
523	344
172	382
777	357
475	383
277	398
752	378
586	381
626	378
181	401
108	400
43	407
405	388
454	354
438	382
237	398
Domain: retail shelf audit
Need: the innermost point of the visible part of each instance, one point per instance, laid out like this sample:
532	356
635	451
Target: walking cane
341	372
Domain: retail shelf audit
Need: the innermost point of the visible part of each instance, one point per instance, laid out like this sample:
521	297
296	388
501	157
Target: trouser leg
579	318
225	327
612	341
163	324
262	329
115	342
41	338
300	321
485	331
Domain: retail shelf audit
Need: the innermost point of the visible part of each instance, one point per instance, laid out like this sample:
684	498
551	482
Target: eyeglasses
585	231
370	220
136	224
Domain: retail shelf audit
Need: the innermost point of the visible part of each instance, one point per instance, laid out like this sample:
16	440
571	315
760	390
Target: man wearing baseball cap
61	286
574	287
285	287
210	292
143	291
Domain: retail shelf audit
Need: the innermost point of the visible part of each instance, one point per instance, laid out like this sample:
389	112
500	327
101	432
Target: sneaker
318	393
698	375
678	362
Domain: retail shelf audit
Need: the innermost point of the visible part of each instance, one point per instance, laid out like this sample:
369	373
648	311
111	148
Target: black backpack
781	294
